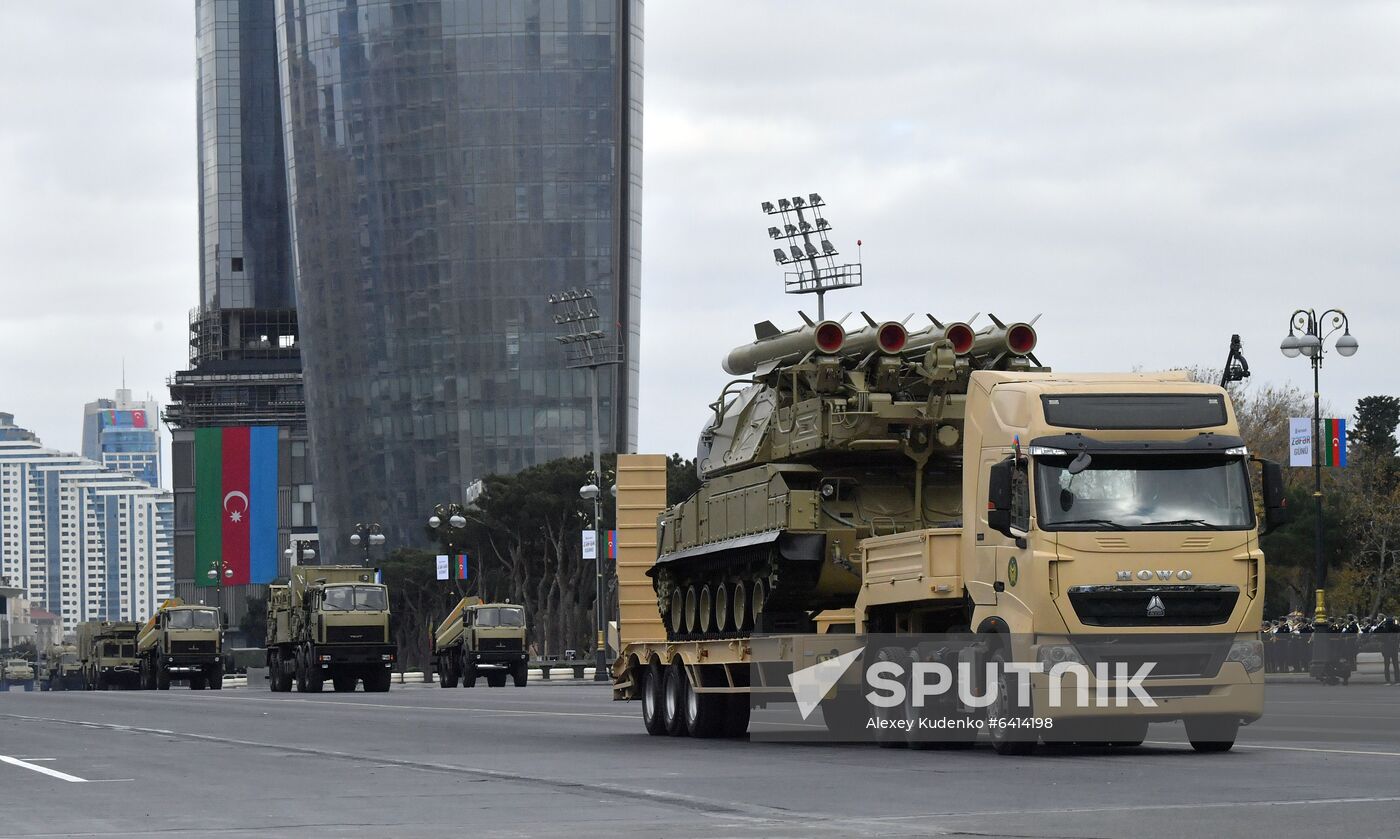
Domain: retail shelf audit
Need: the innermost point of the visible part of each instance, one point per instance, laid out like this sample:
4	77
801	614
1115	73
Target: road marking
1323	751
43	770
1136	807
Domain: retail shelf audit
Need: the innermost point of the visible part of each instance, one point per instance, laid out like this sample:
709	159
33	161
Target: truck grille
192	647
500	645
1171	656
354	635
1135	605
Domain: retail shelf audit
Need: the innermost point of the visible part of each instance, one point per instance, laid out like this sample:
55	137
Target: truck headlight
1249	653
1052	654
325	658
387	657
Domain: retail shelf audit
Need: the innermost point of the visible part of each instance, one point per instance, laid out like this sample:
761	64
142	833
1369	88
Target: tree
417	601
1373	433
681	479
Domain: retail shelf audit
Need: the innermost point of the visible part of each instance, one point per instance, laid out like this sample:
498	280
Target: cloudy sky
1151	177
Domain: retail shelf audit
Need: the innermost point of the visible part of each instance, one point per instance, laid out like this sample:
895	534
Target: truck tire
162	676
469	676
521	673
652	681
283	678
102	683
1008	740
215	677
442	673
301	672
675	695
496	678
1212	734
315	679
29	686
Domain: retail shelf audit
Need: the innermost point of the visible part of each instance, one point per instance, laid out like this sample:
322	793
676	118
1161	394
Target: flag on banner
461	565
1300	441
442	566
235	499
1334	442
612	544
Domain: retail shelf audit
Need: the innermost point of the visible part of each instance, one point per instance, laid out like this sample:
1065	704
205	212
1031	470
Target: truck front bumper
191	663
358	655
1232	693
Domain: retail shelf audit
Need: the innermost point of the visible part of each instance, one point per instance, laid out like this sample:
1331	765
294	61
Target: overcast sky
1152	177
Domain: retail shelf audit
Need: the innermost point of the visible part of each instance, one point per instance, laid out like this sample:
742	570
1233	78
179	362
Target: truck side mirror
999	496
1276	510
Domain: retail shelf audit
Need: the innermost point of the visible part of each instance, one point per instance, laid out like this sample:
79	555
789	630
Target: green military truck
330	622
107	652
62	669
481	639
181	642
17	672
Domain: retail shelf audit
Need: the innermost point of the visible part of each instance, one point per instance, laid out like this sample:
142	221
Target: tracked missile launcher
827	437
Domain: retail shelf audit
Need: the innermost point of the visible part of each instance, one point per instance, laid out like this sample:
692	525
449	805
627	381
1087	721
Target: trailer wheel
704	712
653	684
676	694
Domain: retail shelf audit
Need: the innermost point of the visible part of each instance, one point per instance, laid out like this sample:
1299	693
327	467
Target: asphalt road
560	759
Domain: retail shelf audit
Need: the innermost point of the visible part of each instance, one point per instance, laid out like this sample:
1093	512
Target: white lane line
1129	808
1290	749
42	770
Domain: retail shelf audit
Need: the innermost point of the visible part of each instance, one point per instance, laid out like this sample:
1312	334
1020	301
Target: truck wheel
102	683
675	695
454	670
469	676
496	679
215	677
162	677
653	686
521	673
29	687
704	712
1009	740
1212	734
315	678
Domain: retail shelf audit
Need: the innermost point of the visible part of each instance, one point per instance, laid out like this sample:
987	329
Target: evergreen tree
1374	431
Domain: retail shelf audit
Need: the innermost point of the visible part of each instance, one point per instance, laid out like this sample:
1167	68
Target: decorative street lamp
299	553
1307	335
365	536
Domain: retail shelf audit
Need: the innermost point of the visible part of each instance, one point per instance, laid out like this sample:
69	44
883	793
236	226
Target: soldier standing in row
1388	632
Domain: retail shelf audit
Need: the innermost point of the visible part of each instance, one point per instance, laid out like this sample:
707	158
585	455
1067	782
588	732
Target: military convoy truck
479	638
330	622
62	669
17	672
107	652
943	481
181	642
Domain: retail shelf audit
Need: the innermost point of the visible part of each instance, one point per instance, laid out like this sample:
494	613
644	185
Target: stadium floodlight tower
807	249
587	346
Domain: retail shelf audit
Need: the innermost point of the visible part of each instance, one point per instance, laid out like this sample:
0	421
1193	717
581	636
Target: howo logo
1147	574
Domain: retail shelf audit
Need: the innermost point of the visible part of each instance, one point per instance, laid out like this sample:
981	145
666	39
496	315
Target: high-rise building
85	541
124	435
245	352
10	431
451	163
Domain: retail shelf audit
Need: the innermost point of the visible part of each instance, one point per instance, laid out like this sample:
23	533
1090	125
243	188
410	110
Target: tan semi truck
479	638
107	651
329	623
62	669
182	642
1047	515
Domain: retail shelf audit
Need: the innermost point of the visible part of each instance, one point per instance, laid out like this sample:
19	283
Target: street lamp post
365	536
299	552
1315	329
589	347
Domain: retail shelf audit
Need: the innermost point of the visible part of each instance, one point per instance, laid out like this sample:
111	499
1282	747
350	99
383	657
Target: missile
889	337
958	333
1005	339
826	337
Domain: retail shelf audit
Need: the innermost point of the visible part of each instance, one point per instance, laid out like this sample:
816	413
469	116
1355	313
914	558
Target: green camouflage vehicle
481	639
330	623
62	669
107	651
182	642
17	671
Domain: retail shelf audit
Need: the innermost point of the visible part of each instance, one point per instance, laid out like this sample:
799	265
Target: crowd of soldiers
1327	649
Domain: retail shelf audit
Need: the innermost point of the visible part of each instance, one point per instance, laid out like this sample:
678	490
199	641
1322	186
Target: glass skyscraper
124	435
451	163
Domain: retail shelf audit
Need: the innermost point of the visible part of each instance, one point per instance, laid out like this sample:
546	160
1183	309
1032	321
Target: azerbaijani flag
235	499
1334	442
460	561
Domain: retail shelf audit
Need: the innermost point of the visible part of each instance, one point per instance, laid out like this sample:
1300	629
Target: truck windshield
193	619
496	616
1144	492
370	599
